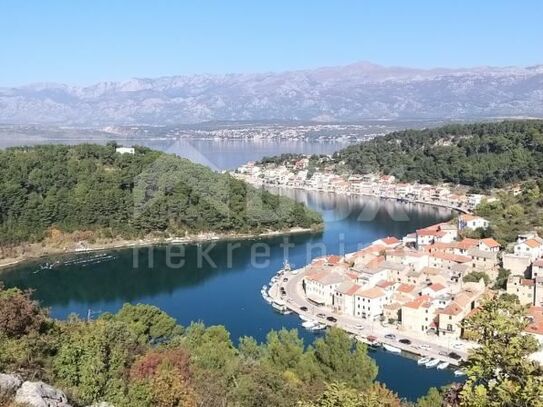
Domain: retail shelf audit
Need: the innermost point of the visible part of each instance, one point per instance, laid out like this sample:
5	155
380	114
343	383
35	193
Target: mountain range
356	92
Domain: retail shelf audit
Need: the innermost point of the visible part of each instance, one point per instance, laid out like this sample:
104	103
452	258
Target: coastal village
423	284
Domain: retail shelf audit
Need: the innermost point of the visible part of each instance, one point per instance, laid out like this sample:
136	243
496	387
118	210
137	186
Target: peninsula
59	198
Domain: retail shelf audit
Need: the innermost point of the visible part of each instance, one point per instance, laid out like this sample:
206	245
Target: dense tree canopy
58	188
117	358
482	155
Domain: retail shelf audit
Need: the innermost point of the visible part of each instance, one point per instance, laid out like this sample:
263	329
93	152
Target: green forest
91	187
480	155
141	357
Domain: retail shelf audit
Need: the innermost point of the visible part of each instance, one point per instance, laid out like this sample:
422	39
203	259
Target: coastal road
421	344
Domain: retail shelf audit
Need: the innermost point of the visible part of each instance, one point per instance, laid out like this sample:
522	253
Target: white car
458	346
425	347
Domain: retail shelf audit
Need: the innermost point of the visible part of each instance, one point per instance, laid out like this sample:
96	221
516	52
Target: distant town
421	285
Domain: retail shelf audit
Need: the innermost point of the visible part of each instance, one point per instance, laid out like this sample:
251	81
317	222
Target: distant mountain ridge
361	91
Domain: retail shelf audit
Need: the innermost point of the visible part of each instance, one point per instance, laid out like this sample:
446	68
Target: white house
369	303
320	287
532	248
125	150
466	221
489	245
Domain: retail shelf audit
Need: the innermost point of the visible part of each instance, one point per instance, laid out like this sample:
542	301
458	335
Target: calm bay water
230	294
217	154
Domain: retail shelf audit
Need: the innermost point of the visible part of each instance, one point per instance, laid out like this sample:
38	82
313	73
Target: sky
81	42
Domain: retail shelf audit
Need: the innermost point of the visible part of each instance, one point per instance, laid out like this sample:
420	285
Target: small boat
391	348
286	266
443	365
280	306
459	373
423	361
309	324
304	318
432	363
318	327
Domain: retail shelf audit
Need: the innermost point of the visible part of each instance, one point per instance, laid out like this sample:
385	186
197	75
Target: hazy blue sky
82	41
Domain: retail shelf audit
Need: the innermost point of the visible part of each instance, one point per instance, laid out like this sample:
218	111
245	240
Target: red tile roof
390	240
437	287
406	288
423	300
490	242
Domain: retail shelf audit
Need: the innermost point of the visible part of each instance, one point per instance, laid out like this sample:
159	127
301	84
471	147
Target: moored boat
443	365
423	361
280	306
391	348
432	363
309	324
459	373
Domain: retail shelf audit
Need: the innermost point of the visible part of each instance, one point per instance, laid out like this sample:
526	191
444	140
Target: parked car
405	341
391	337
331	319
359	327
285	279
455	356
321	315
304	308
425	347
458	346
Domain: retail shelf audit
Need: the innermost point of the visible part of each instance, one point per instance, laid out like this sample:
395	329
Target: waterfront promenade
421	344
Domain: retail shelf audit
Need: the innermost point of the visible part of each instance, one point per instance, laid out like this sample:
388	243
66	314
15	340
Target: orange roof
527	282
352	289
467	243
490	242
390	240
406	288
452	309
451	257
334	259
374	292
532	243
437	287
440	246
385	283
536	326
373	249
418	302
467	217
427	232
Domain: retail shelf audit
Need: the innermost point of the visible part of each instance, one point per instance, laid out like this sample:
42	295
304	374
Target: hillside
61	189
481	155
361	91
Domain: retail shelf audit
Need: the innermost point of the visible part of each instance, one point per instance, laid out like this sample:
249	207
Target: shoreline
361	194
361	329
127	244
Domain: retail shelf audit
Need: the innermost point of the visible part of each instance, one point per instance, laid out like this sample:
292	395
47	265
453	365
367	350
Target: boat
309	324
391	348
459	373
443	365
423	361
432	363
286	266
304	318
280	307
317	327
